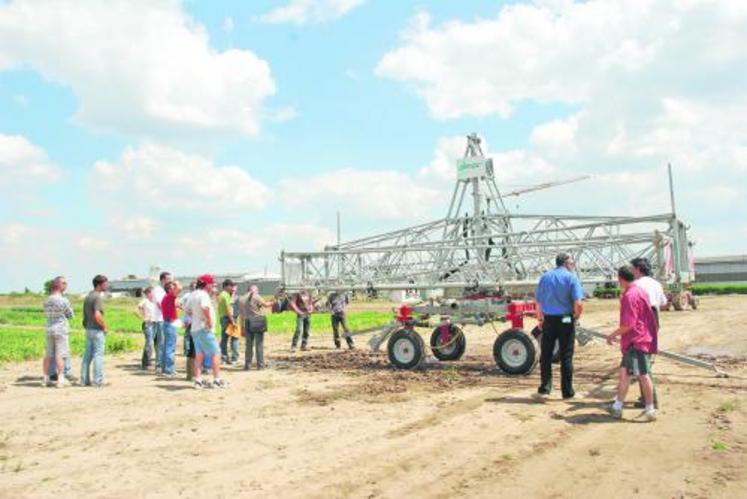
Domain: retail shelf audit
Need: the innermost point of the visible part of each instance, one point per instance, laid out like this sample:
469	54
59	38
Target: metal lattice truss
481	245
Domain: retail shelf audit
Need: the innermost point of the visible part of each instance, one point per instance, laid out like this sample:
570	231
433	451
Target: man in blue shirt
560	296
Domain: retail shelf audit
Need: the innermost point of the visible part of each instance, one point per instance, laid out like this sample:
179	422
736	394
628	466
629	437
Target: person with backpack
255	326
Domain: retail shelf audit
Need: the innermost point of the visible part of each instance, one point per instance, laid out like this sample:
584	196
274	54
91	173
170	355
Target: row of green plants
125	321
22	324
719	288
699	289
23	344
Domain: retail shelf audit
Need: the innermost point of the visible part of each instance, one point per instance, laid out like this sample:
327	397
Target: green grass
22	322
719	288
17	345
285	323
728	406
719	445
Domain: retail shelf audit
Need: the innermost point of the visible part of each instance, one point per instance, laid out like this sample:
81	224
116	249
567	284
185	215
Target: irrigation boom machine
480	250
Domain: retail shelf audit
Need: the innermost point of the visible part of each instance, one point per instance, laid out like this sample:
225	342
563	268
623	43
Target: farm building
721	268
134	286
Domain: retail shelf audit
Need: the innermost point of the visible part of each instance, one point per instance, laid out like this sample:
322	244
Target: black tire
679	301
693	300
514	352
455	347
537	334
405	349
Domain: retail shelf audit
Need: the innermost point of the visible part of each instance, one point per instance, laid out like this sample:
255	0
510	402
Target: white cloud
442	167
644	83
138	67
135	227
20	160
259	244
377	195
509	167
21	100
228	25
12	234
310	11
158	177
557	137
564	52
285	114
93	244
720	194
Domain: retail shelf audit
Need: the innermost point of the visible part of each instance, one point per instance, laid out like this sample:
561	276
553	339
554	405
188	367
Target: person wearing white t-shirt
158	294
652	287
642	271
203	330
146	310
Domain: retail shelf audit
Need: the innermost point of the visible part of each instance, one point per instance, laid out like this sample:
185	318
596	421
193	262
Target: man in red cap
203	335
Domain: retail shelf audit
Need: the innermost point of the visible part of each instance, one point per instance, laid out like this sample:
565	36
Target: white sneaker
62	382
45	381
219	383
649	416
199	385
614	412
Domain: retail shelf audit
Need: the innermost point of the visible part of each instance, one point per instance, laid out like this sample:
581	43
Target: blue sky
206	136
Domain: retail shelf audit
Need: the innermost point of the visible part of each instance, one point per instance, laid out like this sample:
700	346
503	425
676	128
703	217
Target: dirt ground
332	423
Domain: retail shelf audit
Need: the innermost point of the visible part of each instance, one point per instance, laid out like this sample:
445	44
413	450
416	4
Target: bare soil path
332	423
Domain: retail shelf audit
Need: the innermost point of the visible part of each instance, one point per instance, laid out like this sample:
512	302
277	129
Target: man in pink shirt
637	332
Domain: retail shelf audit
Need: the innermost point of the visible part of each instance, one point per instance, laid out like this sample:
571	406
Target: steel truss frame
488	247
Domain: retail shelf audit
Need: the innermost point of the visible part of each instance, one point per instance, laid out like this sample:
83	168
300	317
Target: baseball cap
206	279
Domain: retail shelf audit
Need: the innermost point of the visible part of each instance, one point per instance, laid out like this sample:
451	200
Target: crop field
22	326
720	288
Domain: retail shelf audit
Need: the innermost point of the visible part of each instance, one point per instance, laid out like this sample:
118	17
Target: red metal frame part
517	310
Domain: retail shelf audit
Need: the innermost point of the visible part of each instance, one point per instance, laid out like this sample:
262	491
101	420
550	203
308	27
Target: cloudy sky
207	135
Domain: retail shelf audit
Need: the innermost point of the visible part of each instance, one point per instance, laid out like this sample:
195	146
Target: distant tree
47	287
26	291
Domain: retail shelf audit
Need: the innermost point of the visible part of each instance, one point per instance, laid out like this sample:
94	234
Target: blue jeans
158	339
303	326
169	348
224	322
149	332
95	346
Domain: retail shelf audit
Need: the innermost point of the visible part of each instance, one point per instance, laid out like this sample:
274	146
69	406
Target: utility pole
338	228
671	189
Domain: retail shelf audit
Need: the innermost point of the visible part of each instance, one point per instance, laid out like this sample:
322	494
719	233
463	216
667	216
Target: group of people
160	310
560	305
560	298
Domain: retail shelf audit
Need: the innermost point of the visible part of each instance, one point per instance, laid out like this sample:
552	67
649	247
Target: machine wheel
405	349
454	346
514	352
693	300
537	333
679	301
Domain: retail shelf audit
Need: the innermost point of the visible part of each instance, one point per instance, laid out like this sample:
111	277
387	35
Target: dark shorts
637	363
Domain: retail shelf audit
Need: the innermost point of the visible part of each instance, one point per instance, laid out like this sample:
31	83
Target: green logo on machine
469	168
